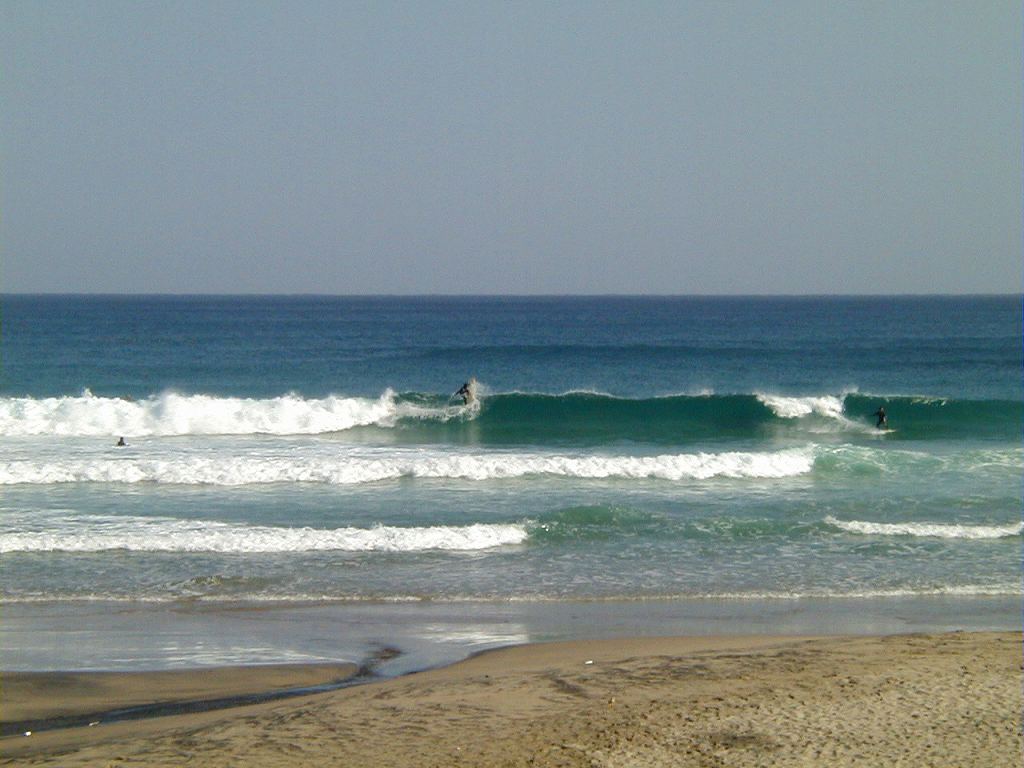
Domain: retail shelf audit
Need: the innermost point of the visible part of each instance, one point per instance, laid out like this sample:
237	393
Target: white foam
951	590
829	406
353	468
141	534
934	530
965	590
428	413
175	414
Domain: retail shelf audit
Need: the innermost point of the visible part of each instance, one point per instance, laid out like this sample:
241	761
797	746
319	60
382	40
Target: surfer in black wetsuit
120	442
882	421
466	391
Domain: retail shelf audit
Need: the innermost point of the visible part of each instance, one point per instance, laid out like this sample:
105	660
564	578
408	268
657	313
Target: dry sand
911	700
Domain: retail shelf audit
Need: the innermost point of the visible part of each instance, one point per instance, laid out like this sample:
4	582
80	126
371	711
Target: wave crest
829	406
141	534
171	414
508	417
931	530
349	470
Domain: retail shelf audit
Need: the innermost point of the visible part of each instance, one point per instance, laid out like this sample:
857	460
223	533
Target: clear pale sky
485	147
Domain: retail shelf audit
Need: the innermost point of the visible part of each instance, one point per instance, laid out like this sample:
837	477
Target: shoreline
142	637
643	700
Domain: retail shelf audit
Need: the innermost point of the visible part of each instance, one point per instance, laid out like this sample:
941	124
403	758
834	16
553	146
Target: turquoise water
283	451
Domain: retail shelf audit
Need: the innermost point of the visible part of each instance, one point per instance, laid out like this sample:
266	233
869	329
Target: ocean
298	481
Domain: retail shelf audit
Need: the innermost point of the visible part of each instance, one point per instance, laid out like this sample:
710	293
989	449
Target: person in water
467	390
121	442
882	421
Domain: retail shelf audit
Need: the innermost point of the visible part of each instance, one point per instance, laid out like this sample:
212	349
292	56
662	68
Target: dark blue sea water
629	347
289	451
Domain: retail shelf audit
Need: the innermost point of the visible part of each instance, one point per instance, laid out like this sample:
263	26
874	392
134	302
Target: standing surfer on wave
883	423
468	391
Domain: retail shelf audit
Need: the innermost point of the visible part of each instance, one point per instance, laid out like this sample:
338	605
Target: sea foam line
350	470
284	598
138	534
933	530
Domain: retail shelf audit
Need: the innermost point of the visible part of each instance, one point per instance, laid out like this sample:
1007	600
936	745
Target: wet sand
48	695
944	699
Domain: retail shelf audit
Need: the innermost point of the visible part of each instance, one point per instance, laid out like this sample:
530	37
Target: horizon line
313	294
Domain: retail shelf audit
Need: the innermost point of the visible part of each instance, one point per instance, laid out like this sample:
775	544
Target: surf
928	530
143	534
371	466
173	414
514	417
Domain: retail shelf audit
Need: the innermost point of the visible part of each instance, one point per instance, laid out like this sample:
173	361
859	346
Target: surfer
121	443
467	391
882	421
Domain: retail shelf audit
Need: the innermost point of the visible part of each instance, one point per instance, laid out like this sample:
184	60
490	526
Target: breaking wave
507	417
932	530
141	534
172	414
349	470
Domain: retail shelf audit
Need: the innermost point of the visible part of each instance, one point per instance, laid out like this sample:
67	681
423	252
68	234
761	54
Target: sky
510	148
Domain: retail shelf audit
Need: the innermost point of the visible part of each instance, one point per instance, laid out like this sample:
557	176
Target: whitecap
933	530
140	534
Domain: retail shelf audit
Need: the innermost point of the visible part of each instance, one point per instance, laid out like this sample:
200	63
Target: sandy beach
944	699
